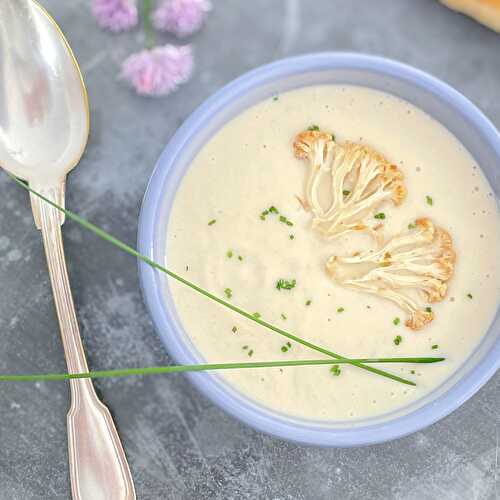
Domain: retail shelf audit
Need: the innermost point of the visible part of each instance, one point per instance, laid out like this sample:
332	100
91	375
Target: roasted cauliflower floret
421	259
346	183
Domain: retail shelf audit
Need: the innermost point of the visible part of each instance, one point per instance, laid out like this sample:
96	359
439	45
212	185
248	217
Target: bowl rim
264	421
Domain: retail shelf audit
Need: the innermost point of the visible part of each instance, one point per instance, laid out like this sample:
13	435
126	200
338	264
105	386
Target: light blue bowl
452	109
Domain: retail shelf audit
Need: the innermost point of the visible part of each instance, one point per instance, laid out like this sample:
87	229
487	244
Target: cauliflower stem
357	178
420	259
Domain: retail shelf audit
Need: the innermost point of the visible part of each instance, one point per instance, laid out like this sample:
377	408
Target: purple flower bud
181	17
160	70
115	15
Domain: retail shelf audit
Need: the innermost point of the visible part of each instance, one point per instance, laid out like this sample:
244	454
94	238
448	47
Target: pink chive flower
115	15
158	71
181	17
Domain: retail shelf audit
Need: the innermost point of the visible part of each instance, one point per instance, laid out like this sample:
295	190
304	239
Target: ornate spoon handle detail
98	466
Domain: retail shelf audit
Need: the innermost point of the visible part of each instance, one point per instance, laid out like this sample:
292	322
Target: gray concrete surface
180	446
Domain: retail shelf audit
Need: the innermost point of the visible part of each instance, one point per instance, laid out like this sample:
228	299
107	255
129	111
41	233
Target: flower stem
155	370
132	251
148	27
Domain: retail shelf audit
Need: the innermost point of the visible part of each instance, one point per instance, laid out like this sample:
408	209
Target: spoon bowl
44	123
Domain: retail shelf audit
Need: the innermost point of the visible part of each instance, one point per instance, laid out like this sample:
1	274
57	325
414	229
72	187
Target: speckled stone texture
179	445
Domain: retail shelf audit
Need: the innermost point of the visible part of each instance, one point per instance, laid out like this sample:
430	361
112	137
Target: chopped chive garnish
380	215
234	329
229	254
428	309
340	309
335	370
291	236
308	302
275	98
228	292
398	339
250	352
313	128
346	192
263	214
240	257
412	225
429	200
282	284
256	315
274	210
285	220
435	346
333	137
413	372
469	295
212	222
283	316
396	321
286	347
245	347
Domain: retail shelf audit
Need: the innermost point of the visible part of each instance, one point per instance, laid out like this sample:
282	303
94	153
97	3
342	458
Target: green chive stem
156	370
132	251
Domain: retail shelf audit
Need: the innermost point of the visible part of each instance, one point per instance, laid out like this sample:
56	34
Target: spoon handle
97	462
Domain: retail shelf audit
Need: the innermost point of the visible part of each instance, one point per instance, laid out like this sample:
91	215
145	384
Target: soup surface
217	239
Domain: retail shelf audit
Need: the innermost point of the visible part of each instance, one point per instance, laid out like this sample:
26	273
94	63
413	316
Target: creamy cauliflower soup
400	262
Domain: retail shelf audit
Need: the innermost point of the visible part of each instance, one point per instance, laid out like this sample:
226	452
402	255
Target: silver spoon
44	126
